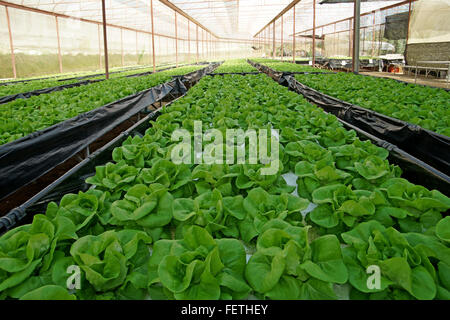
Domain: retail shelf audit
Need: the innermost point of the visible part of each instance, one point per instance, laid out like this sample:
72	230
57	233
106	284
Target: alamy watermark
234	145
374	280
74	280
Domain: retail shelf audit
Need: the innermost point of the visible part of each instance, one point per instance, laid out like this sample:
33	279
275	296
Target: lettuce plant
286	266
406	270
30	248
112	258
262	207
198	267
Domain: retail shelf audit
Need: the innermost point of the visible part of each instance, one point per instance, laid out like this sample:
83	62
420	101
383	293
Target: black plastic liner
276	75
26	159
73	180
426	145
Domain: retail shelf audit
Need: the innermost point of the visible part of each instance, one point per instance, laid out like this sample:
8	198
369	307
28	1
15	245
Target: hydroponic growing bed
219	231
224	150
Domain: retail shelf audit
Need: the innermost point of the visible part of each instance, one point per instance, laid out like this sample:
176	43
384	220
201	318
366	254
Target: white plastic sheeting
430	21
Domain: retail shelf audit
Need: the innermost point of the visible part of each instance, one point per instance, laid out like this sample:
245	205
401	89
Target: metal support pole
189	42
356	35
364	40
121	46
11	44
196	40
314	34
176	40
373	35
99	48
59	45
105	40
407	31
153	35
335	41
137	50
282	50
273	43
350	36
293	38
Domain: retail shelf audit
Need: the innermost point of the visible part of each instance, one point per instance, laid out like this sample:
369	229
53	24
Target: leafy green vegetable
24	116
199	267
200	215
235	66
424	106
287	266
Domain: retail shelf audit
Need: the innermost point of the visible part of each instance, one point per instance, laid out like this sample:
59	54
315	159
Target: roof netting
225	18
326	14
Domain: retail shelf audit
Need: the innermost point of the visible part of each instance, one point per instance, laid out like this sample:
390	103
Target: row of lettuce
235	66
22	87
202	221
427	107
21	117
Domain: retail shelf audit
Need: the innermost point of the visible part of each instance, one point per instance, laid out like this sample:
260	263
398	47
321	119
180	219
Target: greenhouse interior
224	150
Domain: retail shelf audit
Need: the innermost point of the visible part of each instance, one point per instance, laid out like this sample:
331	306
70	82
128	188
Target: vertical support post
121	46
153	35
293	37
273	43
373	35
335	41
282	49
196	39
99	47
314	34
189	42
350	37
59	45
206	45
356	35
176	40
105	40
407	31
11	44
364	40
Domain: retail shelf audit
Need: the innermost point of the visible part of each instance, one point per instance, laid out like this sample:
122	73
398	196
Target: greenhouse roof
234	19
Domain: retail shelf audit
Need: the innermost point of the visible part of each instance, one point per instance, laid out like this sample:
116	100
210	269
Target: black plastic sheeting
26	95
26	159
423	155
73	180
